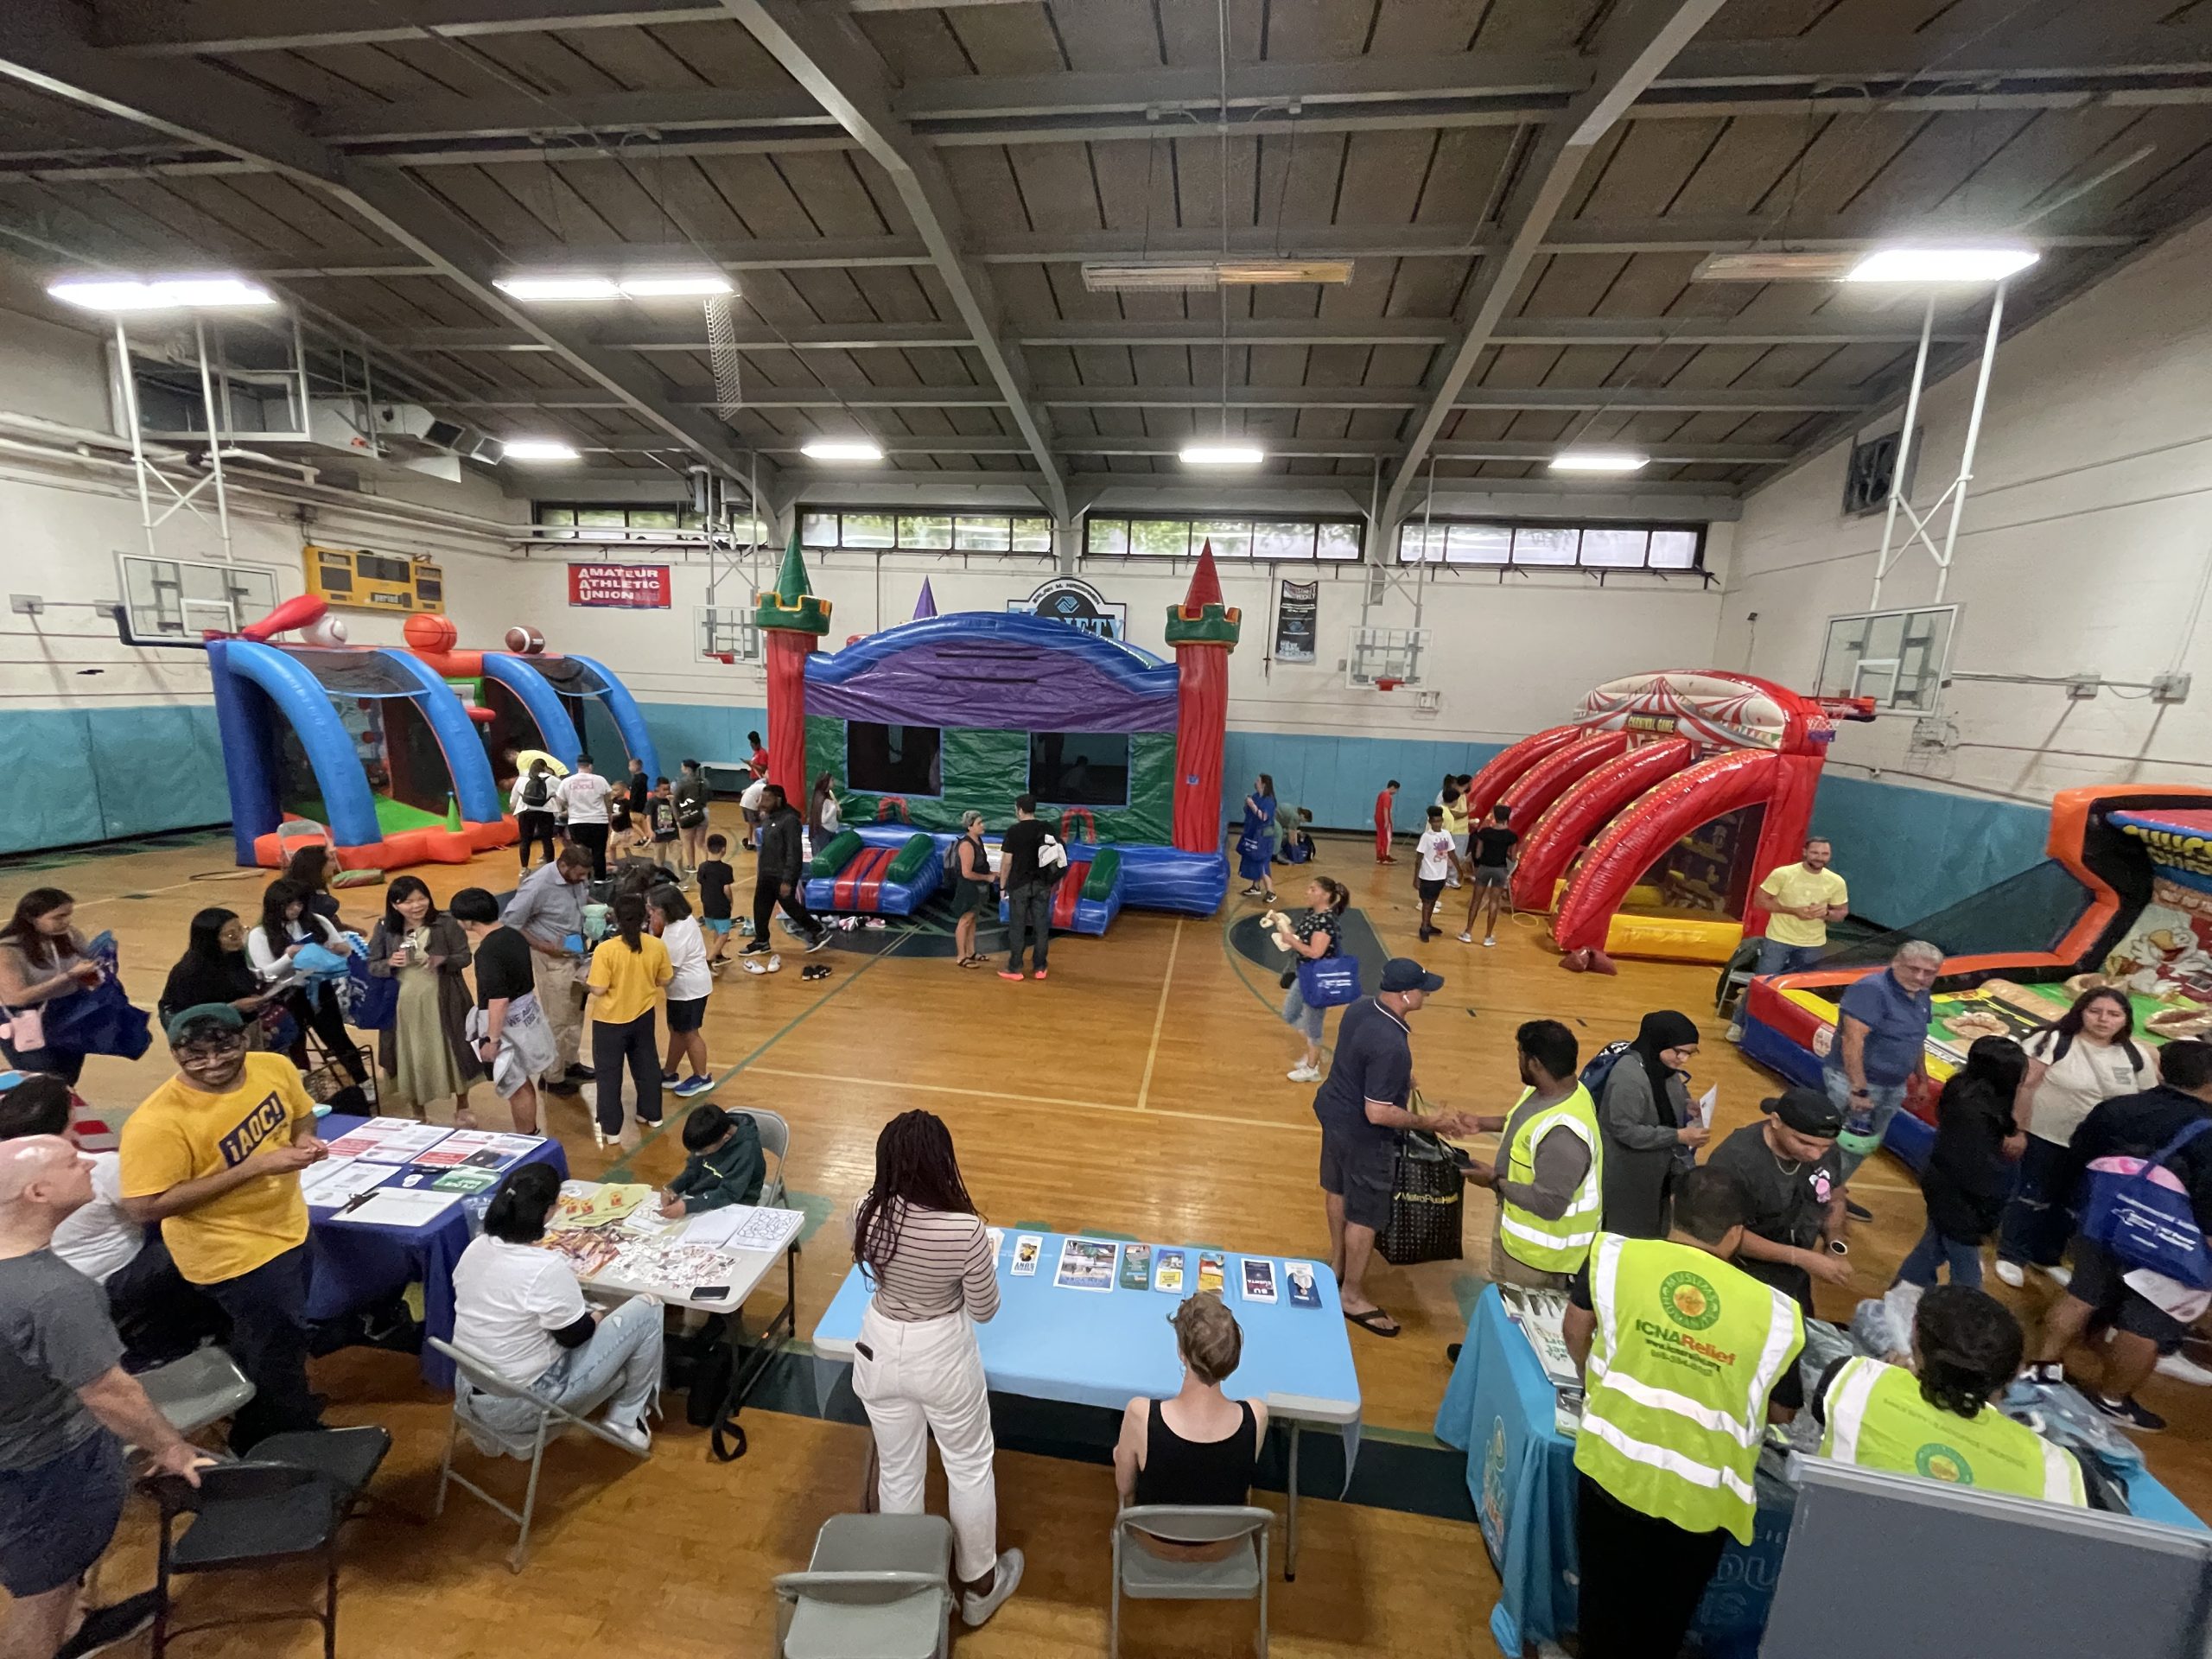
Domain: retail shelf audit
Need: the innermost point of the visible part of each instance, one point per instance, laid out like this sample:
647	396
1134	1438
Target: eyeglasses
209	1050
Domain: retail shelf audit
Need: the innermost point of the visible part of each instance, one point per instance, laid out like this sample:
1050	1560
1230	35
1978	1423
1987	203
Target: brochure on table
428	1165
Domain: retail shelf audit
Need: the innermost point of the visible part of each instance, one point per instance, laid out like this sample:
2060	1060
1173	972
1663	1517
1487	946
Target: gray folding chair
1143	1575
878	1587
775	1137
204	1387
549	1422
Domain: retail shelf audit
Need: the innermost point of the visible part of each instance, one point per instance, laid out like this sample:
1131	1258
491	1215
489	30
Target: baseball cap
1809	1111
221	1014
1404	974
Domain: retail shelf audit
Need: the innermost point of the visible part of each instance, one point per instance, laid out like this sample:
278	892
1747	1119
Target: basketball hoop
727	660
1388	683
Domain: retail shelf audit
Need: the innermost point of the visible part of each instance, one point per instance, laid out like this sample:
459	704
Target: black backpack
534	791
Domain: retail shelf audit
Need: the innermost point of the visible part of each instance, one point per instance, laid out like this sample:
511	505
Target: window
1896	657
1079	768
883	760
1552	546
1297	540
882	530
638	524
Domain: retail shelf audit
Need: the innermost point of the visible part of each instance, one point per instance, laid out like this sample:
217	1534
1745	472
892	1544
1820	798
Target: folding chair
775	1137
1143	1575
878	1587
204	1387
475	1372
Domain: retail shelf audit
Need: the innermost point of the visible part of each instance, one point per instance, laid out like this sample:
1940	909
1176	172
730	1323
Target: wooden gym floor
1141	1092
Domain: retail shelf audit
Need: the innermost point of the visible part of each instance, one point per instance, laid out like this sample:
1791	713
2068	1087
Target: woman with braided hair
922	1246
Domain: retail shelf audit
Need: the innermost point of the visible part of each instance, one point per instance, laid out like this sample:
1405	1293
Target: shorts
1300	1015
56	1517
686	1013
1430	890
1358	1168
716	923
2100	1280
972	898
1493	875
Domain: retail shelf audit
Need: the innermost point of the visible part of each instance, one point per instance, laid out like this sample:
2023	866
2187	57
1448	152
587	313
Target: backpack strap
2187	1134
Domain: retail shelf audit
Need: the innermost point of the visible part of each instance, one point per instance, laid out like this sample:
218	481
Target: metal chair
1143	1575
775	1137
878	1587
475	1372
204	1387
289	1499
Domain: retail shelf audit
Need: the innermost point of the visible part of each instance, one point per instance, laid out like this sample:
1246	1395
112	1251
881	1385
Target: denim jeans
2037	1223
1029	922
1886	1098
1964	1256
1775	957
620	1365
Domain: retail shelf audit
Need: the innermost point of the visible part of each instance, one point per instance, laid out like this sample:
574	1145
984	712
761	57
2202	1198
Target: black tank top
1215	1472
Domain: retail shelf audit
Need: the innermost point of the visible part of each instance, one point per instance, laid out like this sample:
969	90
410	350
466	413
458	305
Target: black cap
1809	1111
1404	974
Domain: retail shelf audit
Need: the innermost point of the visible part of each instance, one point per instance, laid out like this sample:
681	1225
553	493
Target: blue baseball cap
1404	974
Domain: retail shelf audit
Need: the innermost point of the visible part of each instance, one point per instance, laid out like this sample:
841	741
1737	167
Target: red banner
620	587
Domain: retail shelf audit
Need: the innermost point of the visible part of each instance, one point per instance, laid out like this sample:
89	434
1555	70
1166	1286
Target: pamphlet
465	1180
374	1132
744	1227
1213	1271
1086	1264
1026	1250
479	1148
1304	1284
997	1236
335	1180
389	1206
404	1144
1167	1271
1705	1102
1136	1266
1259	1280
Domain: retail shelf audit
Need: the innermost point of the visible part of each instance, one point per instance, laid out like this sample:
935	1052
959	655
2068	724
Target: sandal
974	961
1370	1321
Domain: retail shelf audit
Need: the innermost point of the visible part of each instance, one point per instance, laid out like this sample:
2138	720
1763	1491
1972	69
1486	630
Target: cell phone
1460	1158
710	1292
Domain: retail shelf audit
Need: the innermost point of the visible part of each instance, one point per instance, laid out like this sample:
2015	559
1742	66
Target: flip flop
1367	1322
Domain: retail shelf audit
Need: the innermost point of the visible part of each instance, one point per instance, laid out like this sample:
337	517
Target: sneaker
2049	1372
756	947
2011	1274
1489	939
561	1087
633	1434
106	1627
875	921
774	964
1040	974
977	1610
581	1074
2131	1416
2182	1369
1857	1211
1008	973
692	1086
820	938
815	971
1466	938
2060	1276
1303	1074
668	1079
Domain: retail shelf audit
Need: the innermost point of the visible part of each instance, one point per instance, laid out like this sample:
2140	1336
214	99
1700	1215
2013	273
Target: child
1386	806
693	981
750	805
724	1168
1438	861
716	878
617	818
640	789
1493	859
661	814
628	972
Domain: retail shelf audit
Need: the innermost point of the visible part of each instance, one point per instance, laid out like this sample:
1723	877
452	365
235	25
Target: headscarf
1662	1029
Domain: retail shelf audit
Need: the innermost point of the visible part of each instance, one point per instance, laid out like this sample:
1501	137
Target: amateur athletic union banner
620	587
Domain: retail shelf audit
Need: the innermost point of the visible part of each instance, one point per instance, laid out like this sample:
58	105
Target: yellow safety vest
1563	1245
1686	1351
1877	1419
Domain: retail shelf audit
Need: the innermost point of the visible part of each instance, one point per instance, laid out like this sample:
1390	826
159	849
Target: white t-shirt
2072	1087
516	802
97	1237
687	955
1435	847
585	794
755	792
508	1301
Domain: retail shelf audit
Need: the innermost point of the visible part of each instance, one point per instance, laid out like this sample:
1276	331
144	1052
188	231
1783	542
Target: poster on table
620	587
1297	622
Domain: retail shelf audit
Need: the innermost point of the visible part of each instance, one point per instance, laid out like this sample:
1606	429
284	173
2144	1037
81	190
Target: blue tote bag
1328	982
2139	1210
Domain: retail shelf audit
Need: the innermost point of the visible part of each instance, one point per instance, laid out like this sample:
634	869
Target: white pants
925	1377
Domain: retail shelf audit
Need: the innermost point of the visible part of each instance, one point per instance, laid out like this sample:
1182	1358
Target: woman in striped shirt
923	1247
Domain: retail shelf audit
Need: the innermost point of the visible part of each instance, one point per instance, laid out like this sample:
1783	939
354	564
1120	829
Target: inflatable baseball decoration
327	631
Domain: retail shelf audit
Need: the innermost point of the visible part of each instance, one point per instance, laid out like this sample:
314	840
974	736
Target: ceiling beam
834	64
1635	44
1679	400
202	106
750	336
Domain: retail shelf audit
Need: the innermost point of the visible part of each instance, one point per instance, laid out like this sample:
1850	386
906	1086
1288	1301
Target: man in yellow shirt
1801	898
214	1155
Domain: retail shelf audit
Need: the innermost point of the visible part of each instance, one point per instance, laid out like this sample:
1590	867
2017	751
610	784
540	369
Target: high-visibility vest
1686	1351
1877	1419
1563	1245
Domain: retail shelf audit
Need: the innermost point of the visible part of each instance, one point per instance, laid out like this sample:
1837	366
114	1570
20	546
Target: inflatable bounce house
2124	899
946	713
401	756
1644	819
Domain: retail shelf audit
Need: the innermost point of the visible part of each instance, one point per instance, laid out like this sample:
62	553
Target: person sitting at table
725	1166
287	927
925	1253
214	1155
1201	1447
520	1310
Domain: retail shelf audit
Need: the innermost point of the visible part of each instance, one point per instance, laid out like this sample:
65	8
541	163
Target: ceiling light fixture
1222	455
539	449
841	450
1991	264
586	285
693	285
556	287
1773	266
1599	460
1101	276
159	293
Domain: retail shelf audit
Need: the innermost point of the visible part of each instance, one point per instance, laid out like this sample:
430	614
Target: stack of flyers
464	1180
1026	1250
478	1149
1259	1280
1086	1264
1136	1266
1167	1271
1213	1271
1305	1285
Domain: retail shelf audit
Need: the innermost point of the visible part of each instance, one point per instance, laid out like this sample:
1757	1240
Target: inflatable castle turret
1202	631
794	621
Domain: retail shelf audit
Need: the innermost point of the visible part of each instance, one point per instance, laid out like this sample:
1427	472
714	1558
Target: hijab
1662	1029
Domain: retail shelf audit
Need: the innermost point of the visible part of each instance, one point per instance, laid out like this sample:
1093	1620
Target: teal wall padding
1337	779
111	772
704	732
1906	853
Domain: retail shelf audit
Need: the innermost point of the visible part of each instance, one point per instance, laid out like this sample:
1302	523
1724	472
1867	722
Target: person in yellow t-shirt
214	1155
1801	898
627	973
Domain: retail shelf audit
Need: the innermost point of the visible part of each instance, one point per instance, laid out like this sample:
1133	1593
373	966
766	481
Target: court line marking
1117	1106
1159	1016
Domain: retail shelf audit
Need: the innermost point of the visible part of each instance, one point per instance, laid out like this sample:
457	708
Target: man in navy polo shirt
1881	1045
1362	1106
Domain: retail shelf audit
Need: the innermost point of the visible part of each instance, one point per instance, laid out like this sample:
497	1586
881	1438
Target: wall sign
1297	622
620	587
1067	599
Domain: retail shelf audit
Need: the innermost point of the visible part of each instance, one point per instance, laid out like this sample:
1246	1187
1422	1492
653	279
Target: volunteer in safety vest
1936	1419
1549	1178
1684	1356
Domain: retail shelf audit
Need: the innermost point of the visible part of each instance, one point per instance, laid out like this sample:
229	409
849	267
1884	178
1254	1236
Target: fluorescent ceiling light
1100	276
583	285
539	449
696	285
1222	455
841	449
1599	460
556	287
160	294
1941	264
1773	266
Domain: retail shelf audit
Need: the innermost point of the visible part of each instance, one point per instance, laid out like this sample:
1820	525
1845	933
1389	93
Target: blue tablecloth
352	1266
1498	1410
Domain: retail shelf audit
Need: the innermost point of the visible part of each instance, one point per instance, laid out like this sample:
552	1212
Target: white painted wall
2086	547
